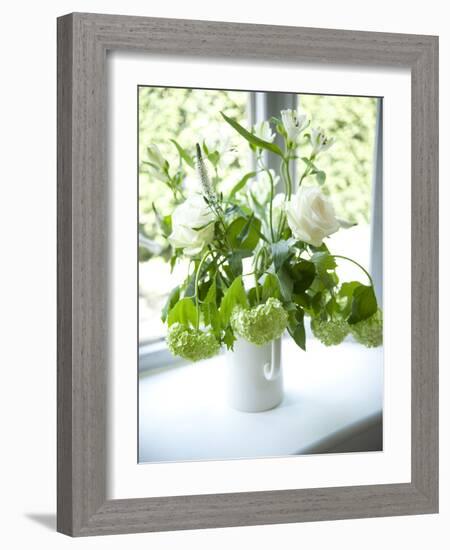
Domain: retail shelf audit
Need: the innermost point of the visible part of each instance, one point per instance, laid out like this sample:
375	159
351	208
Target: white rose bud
192	225
294	123
311	216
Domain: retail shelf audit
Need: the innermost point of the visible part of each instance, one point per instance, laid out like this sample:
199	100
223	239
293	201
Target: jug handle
272	370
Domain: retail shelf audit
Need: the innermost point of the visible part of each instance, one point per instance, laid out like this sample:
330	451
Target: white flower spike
203	176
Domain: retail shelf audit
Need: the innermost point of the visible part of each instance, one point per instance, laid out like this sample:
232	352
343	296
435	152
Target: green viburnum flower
370	331
192	344
330	333
260	324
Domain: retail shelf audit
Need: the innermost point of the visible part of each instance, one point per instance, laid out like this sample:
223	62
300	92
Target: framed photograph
247	274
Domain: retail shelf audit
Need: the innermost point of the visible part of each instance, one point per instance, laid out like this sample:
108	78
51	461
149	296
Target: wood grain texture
83	40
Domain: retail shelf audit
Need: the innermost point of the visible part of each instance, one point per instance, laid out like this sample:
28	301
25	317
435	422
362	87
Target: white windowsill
184	414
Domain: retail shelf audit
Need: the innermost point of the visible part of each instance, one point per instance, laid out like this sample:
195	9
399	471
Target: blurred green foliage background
190	116
349	162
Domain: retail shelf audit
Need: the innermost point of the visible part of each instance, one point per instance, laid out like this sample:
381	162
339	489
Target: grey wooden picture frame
83	42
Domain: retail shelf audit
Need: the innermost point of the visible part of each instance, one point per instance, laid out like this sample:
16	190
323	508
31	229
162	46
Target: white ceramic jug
255	381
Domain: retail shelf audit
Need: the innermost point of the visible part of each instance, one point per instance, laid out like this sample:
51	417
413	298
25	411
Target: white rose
192	227
311	216
294	123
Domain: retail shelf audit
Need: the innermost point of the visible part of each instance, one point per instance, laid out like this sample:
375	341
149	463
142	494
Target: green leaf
165	222
347	289
323	261
189	285
270	287
331	306
327	279
183	312
203	289
234	296
303	274
210	311
200	227
144	254
235	261
320	177
286	283
322	248
229	338
173	261
252	139
214	158
252	298
345	296
302	300
317	285
309	163
173	298
184	154
364	304
211	295
244	233
296	327
281	251
241	184
316	303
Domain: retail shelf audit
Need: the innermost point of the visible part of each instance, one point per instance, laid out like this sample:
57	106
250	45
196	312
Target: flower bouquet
258	261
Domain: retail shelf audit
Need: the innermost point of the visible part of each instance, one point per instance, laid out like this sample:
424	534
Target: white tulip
319	141
192	225
294	123
311	215
263	131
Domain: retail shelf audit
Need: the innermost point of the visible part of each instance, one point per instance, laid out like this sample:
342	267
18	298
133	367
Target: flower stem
256	287
356	263
265	169
307	169
197	277
287	178
271	206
